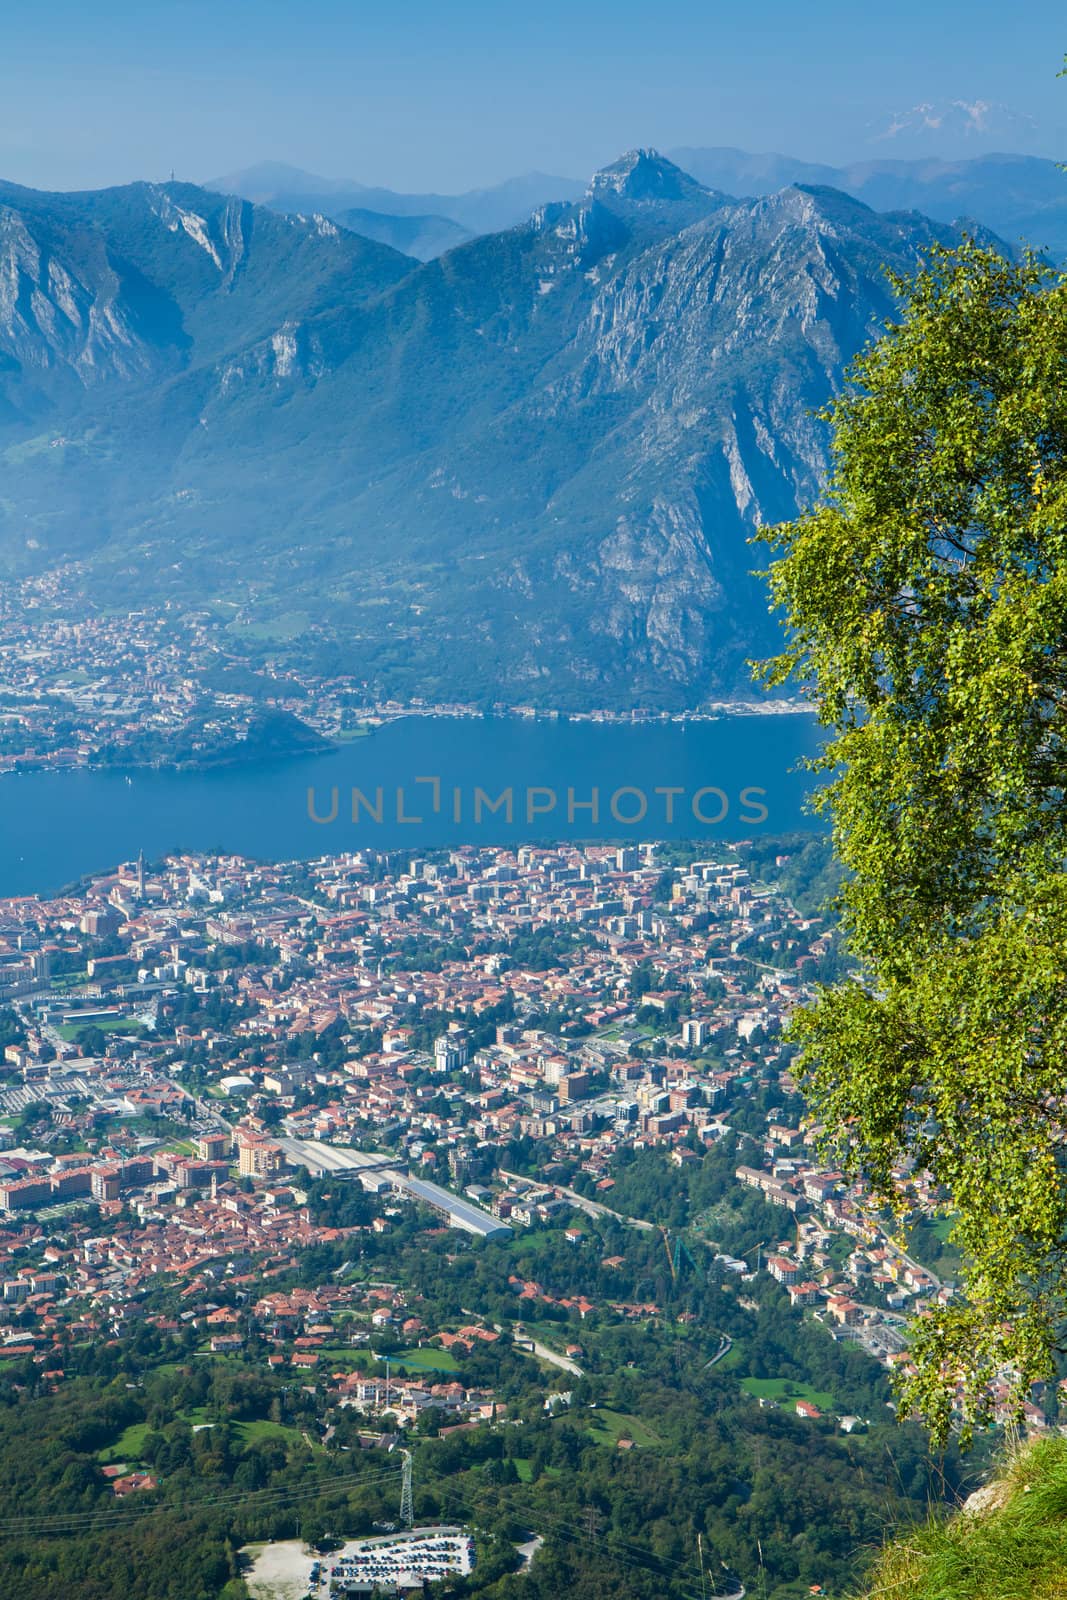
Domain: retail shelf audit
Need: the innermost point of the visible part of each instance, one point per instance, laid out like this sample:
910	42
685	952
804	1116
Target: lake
417	783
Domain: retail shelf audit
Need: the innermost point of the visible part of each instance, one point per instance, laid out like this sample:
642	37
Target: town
195	687
192	1042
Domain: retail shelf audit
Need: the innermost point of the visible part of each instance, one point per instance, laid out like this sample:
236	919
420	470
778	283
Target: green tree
926	607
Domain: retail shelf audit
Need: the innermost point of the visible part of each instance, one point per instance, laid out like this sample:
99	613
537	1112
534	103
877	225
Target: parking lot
402	1561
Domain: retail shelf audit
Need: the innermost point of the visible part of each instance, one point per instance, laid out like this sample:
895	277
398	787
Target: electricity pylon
407	1506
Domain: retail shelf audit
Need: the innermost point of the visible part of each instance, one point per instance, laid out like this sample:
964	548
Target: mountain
421	237
528	469
956	127
503	205
1017	196
136	283
263	182
740	172
477	211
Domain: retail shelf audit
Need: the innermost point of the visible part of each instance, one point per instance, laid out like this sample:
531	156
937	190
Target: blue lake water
420	782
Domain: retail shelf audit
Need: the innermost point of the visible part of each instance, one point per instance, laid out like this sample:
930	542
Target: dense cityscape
409	1026
247	1107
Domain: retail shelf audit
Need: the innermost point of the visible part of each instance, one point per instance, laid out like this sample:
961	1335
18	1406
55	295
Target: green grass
731	1360
70	1030
1017	1552
290	625
608	1427
524	1468
343	1355
127	1446
426	1359
250	1431
787	1392
929	1244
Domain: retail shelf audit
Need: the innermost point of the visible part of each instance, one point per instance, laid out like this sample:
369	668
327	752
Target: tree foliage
926	606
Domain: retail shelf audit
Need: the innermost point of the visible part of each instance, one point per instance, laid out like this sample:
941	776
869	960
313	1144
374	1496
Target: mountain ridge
483	210
530	466
1019	197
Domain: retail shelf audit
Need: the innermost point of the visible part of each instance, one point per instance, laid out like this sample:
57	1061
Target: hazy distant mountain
422	237
740	172
1018	197
267	179
956	127
528	468
477	211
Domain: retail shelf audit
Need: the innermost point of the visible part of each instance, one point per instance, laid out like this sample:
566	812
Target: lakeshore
421	782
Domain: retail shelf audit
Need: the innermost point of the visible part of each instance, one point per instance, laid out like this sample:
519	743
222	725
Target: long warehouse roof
323	1158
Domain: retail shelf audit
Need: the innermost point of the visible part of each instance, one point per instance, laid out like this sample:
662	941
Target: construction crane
675	1257
757	1252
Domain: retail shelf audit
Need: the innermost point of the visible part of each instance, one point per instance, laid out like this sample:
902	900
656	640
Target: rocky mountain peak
568	429
644	175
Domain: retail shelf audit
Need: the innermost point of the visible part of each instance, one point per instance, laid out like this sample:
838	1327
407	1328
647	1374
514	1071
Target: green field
733	1359
608	1427
426	1359
785	1390
343	1355
70	1030
249	1431
273	630
928	1242
127	1446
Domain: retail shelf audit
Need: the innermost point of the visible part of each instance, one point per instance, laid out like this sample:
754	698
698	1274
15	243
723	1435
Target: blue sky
460	93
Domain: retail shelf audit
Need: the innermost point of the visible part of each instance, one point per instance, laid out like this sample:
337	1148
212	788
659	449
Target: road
528	1550
209	1110
592	1208
902	1255
536	1348
726	1344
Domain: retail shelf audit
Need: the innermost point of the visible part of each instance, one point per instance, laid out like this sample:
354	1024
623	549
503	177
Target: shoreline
384	716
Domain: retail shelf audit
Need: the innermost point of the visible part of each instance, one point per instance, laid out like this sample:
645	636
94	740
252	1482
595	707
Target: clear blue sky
450	94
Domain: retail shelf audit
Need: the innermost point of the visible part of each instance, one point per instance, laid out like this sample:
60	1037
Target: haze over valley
528	467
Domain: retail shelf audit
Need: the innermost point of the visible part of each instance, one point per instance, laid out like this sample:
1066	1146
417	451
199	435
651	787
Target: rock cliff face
533	463
137	282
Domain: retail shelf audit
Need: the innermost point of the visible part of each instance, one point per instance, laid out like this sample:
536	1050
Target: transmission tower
407	1507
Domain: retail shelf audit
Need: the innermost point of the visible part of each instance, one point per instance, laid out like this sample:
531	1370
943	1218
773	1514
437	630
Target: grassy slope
1015	1552
608	1427
787	1392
